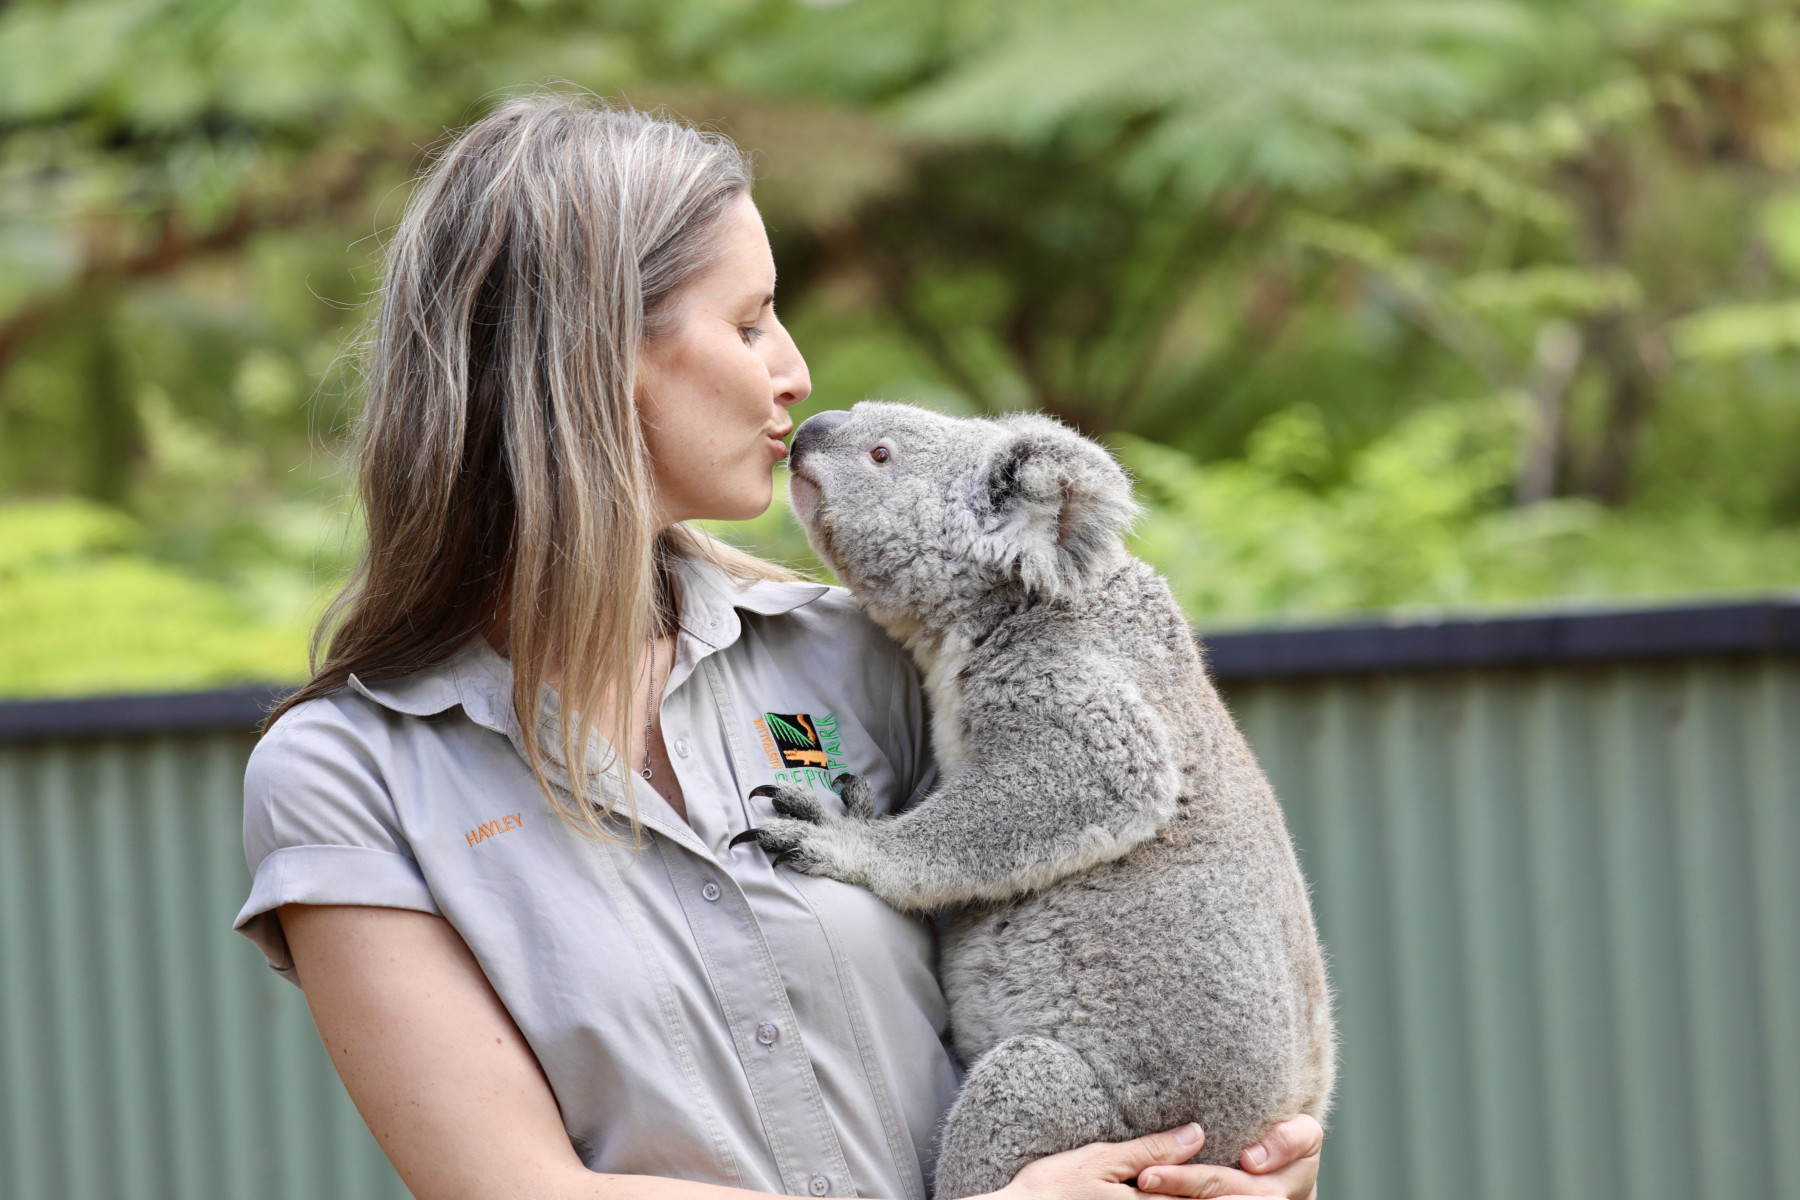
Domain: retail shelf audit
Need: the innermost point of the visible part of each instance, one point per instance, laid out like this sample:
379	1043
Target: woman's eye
750	332
880	454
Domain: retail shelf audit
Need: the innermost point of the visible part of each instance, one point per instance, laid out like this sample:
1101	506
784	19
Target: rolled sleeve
326	875
320	825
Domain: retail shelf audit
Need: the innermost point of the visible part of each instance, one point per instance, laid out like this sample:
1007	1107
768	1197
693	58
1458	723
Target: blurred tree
1286	244
1089	171
141	140
1555	247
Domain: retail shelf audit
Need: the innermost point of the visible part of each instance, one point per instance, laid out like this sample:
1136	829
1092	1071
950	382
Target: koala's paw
806	835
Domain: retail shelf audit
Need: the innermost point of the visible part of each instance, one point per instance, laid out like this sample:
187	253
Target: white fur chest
942	659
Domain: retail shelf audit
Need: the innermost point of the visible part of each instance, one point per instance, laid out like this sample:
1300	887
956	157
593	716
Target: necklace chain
649	708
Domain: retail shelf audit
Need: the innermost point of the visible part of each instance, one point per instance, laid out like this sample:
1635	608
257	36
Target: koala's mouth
803	496
804	499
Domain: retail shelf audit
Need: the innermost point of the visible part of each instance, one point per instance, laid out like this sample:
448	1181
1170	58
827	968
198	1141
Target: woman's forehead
745	267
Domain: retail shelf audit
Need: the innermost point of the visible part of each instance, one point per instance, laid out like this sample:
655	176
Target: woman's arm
436	1066
457	1100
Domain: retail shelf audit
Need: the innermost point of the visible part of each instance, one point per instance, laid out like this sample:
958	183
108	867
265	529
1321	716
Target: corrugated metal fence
145	1051
1554	861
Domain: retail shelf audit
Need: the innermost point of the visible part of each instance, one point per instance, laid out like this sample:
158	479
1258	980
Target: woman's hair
502	469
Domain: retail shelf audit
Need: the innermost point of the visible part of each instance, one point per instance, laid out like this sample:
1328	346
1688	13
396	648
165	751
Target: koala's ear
1052	506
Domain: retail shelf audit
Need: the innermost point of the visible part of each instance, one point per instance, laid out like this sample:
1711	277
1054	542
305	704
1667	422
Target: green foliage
83	612
1388	303
1216	94
1417	522
1733	330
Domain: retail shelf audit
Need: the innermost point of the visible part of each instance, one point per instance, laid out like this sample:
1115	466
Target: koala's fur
1134	948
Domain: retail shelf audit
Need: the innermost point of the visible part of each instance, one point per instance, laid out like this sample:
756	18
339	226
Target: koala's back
1186	973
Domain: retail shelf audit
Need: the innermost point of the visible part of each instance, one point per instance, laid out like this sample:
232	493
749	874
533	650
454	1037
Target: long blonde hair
502	468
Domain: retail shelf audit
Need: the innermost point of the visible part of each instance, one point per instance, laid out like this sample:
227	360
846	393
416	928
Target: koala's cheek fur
1134	947
882	528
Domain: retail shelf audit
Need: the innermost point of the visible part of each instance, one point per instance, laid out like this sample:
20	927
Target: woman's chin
745	502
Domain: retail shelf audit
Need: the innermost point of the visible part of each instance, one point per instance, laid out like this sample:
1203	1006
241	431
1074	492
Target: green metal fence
1563	917
145	1050
1556	866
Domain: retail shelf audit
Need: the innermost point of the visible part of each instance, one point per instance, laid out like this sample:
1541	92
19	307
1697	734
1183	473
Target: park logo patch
802	751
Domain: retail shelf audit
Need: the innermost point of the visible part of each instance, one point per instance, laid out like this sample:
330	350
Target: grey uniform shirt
699	1014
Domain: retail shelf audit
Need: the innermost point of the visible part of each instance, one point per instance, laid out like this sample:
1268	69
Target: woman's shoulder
321	820
338	718
372	712
357	726
832	616
332	750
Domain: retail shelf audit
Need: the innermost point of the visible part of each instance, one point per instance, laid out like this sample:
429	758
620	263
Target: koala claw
792	844
780	838
800	805
798	857
764	789
804	833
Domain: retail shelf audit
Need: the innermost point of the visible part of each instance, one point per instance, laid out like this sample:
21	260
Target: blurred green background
1387	305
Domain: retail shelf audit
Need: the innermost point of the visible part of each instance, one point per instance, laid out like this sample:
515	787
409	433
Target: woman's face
714	390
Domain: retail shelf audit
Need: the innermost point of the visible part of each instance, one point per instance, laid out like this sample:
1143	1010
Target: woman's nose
792	381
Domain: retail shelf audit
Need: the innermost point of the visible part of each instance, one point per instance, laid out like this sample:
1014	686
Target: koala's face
918	512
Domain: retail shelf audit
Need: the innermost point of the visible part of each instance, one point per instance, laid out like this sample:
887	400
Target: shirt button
681	747
710	892
818	1185
766	1033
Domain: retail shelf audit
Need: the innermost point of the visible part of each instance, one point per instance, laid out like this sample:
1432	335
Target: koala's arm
1055	786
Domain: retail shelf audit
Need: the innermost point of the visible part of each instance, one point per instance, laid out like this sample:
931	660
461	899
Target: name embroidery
482	833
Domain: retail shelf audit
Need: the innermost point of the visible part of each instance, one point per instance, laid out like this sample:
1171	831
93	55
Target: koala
1127	942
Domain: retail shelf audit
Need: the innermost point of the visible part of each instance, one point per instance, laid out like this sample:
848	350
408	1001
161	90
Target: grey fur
1133	946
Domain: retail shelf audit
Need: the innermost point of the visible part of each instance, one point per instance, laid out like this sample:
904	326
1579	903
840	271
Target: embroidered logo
803	752
499	825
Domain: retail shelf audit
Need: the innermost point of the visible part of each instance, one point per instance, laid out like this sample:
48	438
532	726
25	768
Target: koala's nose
811	430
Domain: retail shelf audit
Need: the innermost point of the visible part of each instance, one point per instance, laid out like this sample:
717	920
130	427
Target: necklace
649	708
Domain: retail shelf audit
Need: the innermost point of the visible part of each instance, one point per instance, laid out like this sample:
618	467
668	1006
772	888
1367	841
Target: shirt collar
711	600
480	680
475	677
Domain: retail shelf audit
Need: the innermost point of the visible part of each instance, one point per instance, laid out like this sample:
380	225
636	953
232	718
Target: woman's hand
1284	1163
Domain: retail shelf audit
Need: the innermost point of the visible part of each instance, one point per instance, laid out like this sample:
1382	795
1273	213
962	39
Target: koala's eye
880	454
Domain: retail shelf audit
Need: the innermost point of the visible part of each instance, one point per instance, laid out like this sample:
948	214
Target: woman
537	961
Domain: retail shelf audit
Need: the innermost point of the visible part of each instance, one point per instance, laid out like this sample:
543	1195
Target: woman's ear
1055	504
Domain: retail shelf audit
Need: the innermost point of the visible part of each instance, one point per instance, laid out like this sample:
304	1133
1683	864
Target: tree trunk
1630	394
1605	192
114	435
1556	356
